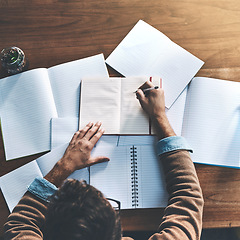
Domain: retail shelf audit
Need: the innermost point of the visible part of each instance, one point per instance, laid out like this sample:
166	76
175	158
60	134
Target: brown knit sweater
182	218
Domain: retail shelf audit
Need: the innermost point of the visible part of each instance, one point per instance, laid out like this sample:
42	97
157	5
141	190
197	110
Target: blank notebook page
133	119
212	121
65	81
26	107
15	183
100	101
151	182
113	178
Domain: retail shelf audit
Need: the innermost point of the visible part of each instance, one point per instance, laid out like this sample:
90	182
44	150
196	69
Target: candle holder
13	60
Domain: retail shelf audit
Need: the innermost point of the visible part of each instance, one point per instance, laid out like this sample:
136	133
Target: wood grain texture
56	31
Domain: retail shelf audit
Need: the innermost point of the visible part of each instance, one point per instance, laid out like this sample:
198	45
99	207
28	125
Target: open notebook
113	101
211	121
62	129
133	176
30	99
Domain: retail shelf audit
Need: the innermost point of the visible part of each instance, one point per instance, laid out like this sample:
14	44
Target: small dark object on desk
13	60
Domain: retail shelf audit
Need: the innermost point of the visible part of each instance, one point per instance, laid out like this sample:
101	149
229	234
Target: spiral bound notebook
133	176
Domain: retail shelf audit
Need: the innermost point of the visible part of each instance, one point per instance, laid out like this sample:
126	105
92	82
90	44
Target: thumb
141	97
140	94
98	159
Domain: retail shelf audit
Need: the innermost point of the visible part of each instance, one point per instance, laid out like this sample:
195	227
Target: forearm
162	126
183	216
59	173
27	219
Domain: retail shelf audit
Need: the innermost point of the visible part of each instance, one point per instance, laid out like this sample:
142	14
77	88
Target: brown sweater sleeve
183	216
27	219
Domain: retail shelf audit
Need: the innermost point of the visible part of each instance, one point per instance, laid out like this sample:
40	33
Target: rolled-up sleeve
42	188
173	143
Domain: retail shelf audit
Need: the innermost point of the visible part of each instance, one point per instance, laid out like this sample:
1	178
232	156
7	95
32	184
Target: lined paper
65	81
113	102
26	107
113	178
15	183
108	140
151	183
100	101
133	119
62	130
212	121
136	140
176	112
145	51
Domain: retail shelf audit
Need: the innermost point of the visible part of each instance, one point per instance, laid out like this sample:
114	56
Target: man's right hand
153	103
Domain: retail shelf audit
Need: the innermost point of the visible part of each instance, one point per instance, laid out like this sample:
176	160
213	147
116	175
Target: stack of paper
30	99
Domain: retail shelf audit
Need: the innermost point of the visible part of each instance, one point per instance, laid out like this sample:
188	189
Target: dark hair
79	211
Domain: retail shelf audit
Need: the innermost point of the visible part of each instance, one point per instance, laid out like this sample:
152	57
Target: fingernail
90	123
99	123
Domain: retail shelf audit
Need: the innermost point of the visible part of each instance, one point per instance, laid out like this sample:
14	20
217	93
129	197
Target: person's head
79	211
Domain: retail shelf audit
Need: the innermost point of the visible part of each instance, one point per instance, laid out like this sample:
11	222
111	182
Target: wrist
58	174
162	127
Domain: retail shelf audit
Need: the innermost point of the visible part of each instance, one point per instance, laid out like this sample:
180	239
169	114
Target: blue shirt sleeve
42	188
173	143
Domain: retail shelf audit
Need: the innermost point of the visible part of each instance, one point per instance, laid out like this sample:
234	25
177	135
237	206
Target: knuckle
75	134
79	131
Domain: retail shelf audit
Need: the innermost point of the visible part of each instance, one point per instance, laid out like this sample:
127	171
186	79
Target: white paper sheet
113	178
26	107
62	130
152	191
133	119
101	101
65	81
108	140
176	112
145	51
15	183
212	121
136	140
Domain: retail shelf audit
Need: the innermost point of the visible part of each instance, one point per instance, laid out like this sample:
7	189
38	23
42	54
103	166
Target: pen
148	89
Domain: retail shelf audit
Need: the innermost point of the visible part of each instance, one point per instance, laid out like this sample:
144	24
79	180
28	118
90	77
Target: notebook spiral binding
134	176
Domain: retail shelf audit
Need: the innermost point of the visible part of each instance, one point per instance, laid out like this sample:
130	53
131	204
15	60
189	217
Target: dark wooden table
56	31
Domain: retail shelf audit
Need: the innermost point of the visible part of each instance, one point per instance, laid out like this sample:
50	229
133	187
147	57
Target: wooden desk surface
56	31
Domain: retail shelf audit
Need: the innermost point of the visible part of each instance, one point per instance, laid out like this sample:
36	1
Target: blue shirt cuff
171	144
42	188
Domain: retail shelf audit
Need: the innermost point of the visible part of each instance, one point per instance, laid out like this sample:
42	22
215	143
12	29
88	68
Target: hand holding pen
153	104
